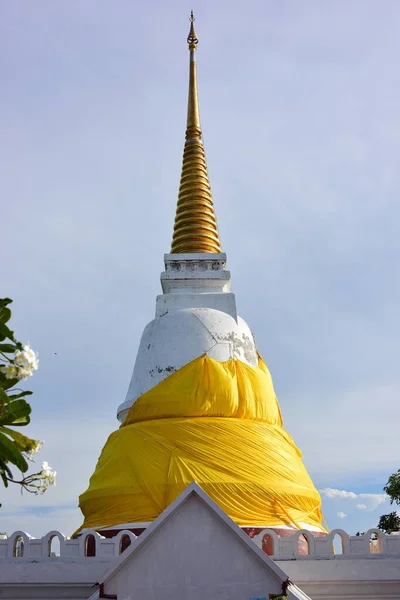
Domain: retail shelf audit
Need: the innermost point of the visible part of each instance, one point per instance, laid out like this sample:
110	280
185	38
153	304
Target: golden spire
195	228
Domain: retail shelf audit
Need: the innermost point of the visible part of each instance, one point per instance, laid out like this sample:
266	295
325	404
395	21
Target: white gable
294	592
194	552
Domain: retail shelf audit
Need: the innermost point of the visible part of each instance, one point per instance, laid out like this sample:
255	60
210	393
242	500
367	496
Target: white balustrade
372	544
89	546
92	546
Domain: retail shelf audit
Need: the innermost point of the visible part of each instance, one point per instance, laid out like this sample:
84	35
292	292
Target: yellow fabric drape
215	423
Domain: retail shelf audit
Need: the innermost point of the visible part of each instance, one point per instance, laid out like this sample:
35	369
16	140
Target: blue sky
299	107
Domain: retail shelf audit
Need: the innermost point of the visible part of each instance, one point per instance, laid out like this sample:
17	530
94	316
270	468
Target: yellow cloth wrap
216	423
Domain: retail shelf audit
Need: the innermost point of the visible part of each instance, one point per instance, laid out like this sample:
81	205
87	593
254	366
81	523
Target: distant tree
392	488
17	363
389	523
373	535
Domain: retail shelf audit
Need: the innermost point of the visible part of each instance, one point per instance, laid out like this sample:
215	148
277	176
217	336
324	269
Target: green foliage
392	488
389	523
14	408
5	316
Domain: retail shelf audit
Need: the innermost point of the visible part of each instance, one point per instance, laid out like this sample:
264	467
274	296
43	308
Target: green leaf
5	313
8	348
5	383
5	332
21	395
3	396
20	422
20	407
24	443
5	467
10	453
16	413
6	399
5	301
5	472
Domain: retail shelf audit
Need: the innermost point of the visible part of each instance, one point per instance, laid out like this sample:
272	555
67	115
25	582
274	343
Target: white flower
52	478
39	445
45	466
19	358
23	373
22	365
10	371
47	477
26	358
35	450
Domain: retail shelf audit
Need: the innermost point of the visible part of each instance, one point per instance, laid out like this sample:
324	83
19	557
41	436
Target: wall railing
302	545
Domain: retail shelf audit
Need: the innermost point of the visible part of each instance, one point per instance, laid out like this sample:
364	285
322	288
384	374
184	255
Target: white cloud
372	500
334	493
341	515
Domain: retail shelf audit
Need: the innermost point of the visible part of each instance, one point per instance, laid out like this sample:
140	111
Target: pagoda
201	405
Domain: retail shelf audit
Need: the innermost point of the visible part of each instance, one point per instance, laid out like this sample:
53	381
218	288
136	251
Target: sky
300	113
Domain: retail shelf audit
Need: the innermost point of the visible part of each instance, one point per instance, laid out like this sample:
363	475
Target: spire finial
195	228
192	38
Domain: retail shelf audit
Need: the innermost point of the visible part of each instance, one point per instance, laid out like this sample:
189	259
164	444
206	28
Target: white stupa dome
173	340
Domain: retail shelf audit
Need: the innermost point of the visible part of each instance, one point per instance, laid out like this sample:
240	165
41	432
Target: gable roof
296	592
194	490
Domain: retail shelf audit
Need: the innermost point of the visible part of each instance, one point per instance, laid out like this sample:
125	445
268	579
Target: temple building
200	493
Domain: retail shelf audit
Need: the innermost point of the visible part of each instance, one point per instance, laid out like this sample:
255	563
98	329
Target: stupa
201	405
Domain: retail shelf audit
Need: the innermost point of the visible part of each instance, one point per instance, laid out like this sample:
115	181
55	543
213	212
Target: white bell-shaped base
175	339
